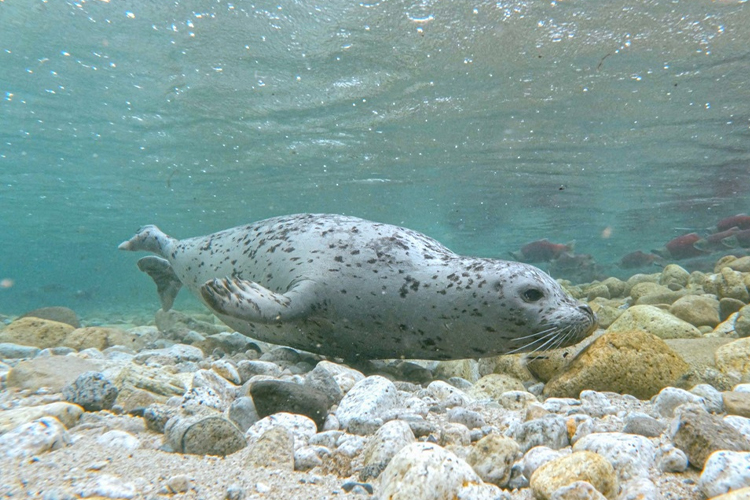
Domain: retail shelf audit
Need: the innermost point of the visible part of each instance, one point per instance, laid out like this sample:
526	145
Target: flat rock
150	379
53	372
37	332
275	396
654	321
56	313
66	413
626	362
670	398
699	434
101	338
737	403
273	448
16	351
579	466
207	433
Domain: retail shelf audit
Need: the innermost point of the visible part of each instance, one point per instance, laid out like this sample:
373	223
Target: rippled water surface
486	125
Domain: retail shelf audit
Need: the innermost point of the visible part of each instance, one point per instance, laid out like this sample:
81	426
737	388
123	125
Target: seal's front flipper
167	282
248	301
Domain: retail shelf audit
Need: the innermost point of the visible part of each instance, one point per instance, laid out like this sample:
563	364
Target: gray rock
742	424
33	438
643	425
629	454
276	396
492	458
469	418
207	433
59	314
177	353
672	459
698	434
91	391
712	399
242	412
725	471
670	398
249	368
639	488
118	439
321	380
234	492
16	351
368	399
273	447
157	415
302	428
550	431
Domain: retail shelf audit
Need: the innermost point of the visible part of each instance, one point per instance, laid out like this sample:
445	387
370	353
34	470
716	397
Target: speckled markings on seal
353	288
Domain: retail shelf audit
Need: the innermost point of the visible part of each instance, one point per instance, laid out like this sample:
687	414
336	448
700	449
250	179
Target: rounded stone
630	455
734	359
100	338
655	321
34	437
579	466
369	398
274	448
698	310
627	362
725	471
493	385
699	434
91	391
674	277
492	458
383	446
55	313
277	396
205	434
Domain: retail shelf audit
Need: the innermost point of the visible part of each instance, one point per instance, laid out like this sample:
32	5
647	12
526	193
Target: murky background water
486	125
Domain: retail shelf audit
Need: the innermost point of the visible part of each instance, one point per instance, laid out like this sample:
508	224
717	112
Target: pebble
277	396
234	492
250	368
39	436
16	351
177	353
712	399
550	431
643	425
321	380
492	458
429	472
207	433
108	486
629	454
119	439
178	484
670	398
274	448
672	459
68	414
742	424
369	398
577	490
302	428
578	466
91	391
383	446
725	471
469	418
737	403
226	370
243	413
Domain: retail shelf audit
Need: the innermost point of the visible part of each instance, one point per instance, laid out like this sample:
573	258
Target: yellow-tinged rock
41	333
579	466
633	362
655	321
100	337
734	359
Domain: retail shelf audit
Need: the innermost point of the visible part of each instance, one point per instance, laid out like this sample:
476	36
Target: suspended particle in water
6	283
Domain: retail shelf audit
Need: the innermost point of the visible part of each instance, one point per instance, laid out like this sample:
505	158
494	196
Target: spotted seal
357	289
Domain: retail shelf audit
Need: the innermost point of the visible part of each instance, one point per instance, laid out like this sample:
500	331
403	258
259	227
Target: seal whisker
546	336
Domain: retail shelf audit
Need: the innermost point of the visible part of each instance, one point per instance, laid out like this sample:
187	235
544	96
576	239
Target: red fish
741	221
743	238
718	241
637	259
542	251
683	247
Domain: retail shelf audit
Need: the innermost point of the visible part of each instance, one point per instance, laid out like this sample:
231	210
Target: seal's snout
587	309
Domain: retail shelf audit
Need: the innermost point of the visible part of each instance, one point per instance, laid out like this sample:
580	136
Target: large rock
726	471
628	362
734	359
369	399
206	433
53	372
41	333
655	321
428	472
100	337
276	396
92	391
59	314
33	438
383	446
492	458
579	466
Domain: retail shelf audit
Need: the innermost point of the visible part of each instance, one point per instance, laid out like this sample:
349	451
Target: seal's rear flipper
149	239
248	301
167	282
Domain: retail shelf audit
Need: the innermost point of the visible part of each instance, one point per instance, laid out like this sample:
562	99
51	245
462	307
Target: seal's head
531	301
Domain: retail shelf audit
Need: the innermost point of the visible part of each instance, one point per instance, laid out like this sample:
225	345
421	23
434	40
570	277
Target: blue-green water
485	125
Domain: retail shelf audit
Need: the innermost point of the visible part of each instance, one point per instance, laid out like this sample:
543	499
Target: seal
347	287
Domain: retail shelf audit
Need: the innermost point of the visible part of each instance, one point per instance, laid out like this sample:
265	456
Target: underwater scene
378	249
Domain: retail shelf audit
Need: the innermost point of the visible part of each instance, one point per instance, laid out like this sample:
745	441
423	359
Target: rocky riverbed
655	405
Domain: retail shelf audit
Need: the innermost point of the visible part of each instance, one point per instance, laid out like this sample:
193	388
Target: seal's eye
532	295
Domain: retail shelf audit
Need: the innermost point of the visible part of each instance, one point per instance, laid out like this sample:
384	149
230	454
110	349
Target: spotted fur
348	287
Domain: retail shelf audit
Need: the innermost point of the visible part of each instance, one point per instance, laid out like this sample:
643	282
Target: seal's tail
149	239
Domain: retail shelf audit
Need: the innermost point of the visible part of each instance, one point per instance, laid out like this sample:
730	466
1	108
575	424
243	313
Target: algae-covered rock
698	310
734	359
41	333
627	362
